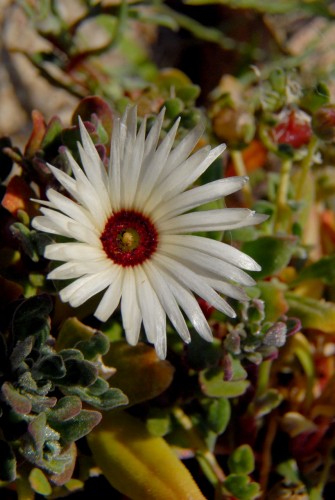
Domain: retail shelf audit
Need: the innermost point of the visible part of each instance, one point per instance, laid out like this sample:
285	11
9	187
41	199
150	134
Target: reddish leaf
17	196
37	135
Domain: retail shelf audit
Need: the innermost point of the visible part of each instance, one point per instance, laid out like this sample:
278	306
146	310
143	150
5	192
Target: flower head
131	225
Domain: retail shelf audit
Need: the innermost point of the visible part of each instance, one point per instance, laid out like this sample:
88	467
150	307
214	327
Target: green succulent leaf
273	253
66	408
7	462
242	460
39	482
32	318
323	269
213	384
19	402
76	427
313	313
218	416
241	488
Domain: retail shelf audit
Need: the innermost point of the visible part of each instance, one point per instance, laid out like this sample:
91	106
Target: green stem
283	211
204	456
306	165
263	378
239	165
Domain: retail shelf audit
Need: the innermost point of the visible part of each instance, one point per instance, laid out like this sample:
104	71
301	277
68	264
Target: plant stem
239	165
283	211
306	164
205	457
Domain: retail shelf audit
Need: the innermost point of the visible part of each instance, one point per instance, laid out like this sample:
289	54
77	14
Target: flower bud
293	129
323	122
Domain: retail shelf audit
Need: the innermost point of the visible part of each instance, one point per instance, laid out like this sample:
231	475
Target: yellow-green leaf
317	314
139	465
140	374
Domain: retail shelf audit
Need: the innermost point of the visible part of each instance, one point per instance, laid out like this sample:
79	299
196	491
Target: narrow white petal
168	300
153	137
214	248
198	196
153	314
189	171
97	176
167	189
182	151
114	169
87	195
131	314
133	171
71	208
207	263
191	280
72	269
233	291
86	287
73	251
158	161
66	226
65	180
190	306
112	296
92	163
208	220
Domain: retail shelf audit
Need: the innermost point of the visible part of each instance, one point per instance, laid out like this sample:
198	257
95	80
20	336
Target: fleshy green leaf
317	314
7	462
75	428
218	416
241	488
39	482
242	460
323	269
213	384
273	253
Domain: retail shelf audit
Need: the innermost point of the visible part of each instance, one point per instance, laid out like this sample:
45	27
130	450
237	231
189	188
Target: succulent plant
42	392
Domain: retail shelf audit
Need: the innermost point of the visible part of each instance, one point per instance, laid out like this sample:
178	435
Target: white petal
71	208
190	306
168	300
188	278
87	195
214	248
131	314
73	251
93	165
114	169
198	196
189	171
182	151
111	298
154	168
132	171
209	220
233	291
71	269
153	137
65	180
85	287
97	176
204	262
65	226
153	314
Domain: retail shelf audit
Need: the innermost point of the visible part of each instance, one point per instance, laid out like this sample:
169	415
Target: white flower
129	223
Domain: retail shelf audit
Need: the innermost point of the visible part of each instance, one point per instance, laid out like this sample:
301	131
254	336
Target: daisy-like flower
130	224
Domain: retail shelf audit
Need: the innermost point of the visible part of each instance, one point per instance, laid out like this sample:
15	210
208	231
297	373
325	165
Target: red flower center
129	238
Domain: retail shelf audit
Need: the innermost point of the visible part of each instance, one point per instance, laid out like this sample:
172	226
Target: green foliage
42	393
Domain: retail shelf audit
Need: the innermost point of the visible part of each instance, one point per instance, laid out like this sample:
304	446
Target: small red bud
294	130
